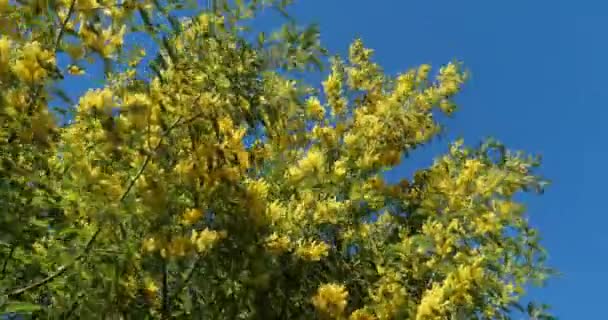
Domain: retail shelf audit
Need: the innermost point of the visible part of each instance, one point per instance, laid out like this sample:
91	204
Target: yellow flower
361	314
86	5
315	109
225	125
206	239
150	289
178	247
331	299
390	158
5	44
333	89
314	160
75	70
351	139
431	304
191	216
277	244
137	99
31	67
258	189
4	5
204	21
340	168
423	72
275	211
149	245
98	99
313	251
39	248
243	158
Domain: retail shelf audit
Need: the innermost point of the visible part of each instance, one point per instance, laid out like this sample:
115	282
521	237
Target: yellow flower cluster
471	169
4	5
315	109
179	246
150	245
456	290
312	164
389	295
98	99
331	299
5	54
34	64
150	289
277	244
176	248
105	42
361	314
75	70
329	211
333	89
206	239
191	216
312	250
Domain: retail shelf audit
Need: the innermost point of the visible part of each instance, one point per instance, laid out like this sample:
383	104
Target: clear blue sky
539	84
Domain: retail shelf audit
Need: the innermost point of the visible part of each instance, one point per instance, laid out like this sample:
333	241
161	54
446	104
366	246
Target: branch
165	313
64	24
73	307
147	160
60	270
188	277
9	257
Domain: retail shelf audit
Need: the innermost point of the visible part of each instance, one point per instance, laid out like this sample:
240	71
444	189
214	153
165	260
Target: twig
60	270
64	24
73	307
165	292
188	277
147	160
9	257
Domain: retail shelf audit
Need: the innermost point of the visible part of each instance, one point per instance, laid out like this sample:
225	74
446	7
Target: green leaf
20	307
261	39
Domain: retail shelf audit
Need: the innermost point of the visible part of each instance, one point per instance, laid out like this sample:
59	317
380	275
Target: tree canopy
209	181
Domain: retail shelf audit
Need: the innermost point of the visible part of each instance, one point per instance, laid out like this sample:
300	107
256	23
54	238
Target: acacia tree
210	183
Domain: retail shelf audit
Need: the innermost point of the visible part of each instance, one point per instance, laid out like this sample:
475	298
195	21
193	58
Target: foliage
209	183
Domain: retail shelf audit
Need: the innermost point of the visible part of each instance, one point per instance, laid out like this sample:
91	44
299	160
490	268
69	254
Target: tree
209	183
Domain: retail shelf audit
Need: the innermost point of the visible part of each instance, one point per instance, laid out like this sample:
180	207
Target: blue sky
539	75
539	78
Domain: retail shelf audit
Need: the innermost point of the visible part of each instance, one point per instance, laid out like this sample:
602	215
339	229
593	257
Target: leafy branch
62	269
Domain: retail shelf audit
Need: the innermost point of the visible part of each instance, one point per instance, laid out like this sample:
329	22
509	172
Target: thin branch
60	270
147	160
188	277
165	313
9	257
73	307
64	24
